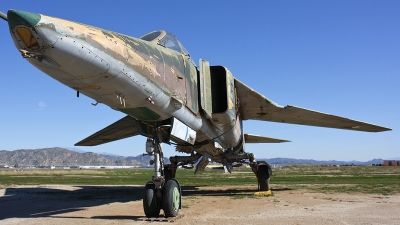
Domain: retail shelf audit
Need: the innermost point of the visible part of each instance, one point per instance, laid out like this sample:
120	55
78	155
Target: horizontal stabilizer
251	138
123	128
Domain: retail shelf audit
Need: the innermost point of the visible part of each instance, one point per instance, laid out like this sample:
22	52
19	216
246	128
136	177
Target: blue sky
338	57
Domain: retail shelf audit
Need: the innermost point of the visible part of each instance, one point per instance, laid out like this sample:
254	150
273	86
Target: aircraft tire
171	198
150	204
263	177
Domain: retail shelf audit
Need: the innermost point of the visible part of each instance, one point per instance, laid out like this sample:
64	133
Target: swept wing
255	106
123	128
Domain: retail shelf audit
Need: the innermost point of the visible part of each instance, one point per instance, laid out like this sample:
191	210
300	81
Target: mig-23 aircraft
165	96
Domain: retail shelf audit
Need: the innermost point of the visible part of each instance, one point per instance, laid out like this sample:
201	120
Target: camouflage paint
27	19
171	71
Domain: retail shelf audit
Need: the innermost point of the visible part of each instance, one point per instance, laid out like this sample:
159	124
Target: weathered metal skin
138	77
103	64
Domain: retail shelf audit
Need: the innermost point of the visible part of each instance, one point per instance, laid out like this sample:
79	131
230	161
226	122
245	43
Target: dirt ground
63	204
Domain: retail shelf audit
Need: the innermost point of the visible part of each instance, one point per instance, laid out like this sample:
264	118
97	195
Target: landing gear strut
163	191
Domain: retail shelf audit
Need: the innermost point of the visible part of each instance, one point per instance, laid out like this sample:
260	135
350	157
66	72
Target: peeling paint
161	66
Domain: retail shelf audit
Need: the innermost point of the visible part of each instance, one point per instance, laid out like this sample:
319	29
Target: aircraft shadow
33	202
44	202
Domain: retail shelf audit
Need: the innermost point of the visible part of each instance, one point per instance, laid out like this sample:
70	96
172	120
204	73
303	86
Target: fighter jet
166	97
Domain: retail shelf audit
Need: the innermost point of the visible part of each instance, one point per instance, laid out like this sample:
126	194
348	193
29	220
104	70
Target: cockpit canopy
166	39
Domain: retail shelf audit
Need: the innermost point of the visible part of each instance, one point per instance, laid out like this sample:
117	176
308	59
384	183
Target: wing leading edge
251	138
123	128
257	107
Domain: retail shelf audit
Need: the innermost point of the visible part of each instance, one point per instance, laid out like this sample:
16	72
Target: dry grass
28	172
364	179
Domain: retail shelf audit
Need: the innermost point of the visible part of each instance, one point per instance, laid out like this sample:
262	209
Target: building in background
391	163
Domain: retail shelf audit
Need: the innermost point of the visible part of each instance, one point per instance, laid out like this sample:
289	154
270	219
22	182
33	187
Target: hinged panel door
205	87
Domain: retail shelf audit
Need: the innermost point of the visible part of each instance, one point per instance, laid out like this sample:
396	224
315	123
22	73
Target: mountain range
74	157
64	157
290	161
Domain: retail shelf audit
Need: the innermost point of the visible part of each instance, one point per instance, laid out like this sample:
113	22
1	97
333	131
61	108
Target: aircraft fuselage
140	78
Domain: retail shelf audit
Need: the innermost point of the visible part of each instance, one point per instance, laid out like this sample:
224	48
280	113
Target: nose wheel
171	198
163	191
151	204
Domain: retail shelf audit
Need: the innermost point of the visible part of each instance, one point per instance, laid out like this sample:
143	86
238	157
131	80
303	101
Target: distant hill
64	157
76	150
289	161
100	153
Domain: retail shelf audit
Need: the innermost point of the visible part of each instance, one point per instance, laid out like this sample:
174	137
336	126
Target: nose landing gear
163	191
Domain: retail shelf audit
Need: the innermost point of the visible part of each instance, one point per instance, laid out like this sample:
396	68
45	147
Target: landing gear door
205	88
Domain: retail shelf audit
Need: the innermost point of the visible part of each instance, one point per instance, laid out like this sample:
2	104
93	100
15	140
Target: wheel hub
175	199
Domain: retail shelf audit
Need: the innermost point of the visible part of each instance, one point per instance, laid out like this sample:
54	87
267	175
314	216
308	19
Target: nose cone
16	18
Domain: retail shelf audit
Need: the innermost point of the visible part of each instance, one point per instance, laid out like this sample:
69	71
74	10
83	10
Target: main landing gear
163	191
263	172
261	169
